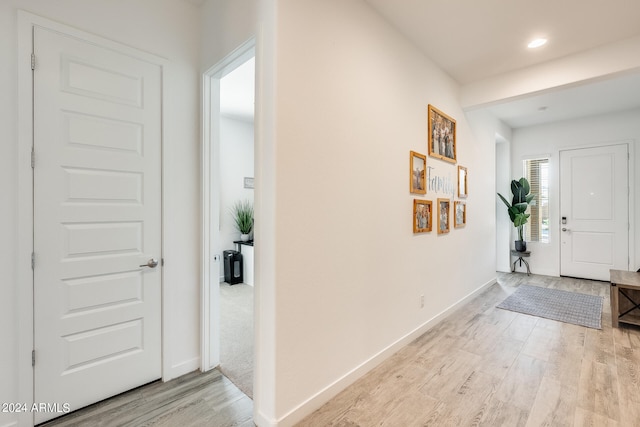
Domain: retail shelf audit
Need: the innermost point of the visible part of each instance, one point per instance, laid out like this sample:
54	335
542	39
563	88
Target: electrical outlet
421	301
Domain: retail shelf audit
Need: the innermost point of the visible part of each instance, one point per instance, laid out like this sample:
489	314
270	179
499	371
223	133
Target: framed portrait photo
417	173
462	182
443	212
422	214
460	214
441	135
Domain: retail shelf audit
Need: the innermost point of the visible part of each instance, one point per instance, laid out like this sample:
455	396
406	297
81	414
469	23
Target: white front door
594	211
97	221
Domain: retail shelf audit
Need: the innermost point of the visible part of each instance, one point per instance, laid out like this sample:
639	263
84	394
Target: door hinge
33	158
33	61
33	358
33	260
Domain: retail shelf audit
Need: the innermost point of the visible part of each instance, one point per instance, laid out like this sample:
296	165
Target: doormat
554	304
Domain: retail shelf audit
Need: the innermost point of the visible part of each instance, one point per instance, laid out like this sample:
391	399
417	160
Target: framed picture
441	135
422	214
417	172
460	215
462	181
443	215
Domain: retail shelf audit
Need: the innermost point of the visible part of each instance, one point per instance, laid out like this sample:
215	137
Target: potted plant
518	207
243	216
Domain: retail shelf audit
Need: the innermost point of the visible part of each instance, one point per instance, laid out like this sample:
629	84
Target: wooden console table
625	297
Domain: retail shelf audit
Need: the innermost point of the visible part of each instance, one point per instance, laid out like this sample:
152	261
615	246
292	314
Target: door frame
631	166
210	199
25	296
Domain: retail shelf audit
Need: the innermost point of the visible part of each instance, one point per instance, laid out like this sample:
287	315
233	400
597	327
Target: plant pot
521	246
244	237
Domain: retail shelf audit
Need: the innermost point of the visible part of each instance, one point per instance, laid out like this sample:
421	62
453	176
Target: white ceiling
601	97
473	40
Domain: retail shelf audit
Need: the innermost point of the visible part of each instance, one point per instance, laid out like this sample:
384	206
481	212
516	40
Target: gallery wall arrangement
441	145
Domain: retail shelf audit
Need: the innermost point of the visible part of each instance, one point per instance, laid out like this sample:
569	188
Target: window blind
537	173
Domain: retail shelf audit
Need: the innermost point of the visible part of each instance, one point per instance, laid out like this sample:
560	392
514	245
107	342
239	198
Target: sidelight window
537	173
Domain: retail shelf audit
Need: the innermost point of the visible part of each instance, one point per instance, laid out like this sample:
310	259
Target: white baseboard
261	420
323	396
183	368
536	271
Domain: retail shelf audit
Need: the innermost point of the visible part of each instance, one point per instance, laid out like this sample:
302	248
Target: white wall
170	29
237	157
487	127
351	103
8	211
504	226
226	24
588	131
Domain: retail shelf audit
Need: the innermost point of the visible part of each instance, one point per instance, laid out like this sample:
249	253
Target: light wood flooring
485	366
192	400
482	366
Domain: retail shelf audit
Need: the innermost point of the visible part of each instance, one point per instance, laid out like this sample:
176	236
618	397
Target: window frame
539	211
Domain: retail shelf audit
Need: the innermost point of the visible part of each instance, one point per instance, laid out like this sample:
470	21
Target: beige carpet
236	335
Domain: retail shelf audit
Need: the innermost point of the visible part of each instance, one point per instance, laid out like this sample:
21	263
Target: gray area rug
554	304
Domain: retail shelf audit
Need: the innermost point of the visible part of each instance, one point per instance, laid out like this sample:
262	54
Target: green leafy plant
518	206
243	216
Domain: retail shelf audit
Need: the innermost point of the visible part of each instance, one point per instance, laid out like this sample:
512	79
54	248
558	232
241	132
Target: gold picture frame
441	138
459	214
417	173
444	215
422	216
462	182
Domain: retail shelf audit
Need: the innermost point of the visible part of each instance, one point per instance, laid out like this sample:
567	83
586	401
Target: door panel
583	244
97	219
594	205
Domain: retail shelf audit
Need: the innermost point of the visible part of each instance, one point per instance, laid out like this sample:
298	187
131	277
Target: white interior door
97	221
594	209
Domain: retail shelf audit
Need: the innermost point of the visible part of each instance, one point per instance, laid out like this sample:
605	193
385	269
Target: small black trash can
232	267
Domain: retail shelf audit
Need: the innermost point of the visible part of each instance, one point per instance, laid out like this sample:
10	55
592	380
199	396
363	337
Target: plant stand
521	256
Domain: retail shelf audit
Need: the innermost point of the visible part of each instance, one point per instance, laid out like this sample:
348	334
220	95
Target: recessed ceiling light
536	43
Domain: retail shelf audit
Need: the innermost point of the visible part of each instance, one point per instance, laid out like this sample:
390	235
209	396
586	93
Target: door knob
152	263
565	229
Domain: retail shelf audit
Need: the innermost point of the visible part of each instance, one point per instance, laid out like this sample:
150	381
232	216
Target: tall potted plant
518	207
243	217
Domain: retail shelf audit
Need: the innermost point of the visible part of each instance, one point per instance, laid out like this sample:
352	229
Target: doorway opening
228	173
